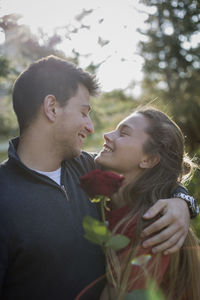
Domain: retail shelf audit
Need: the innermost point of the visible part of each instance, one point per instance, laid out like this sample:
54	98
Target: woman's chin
99	159
102	161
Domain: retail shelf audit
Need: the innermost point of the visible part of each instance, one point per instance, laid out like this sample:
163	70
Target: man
43	253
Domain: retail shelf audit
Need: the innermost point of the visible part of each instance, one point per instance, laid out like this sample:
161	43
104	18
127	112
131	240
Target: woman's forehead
135	120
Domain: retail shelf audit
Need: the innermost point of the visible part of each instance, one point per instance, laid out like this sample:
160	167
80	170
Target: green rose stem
103	203
100	185
121	295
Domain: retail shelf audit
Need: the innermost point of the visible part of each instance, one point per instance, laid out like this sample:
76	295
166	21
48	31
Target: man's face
73	124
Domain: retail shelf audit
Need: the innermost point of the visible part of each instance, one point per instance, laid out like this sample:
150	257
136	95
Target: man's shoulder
3	167
84	162
87	155
5	184
8	175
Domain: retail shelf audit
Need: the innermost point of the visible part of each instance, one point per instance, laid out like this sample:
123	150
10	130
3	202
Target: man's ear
149	161
49	106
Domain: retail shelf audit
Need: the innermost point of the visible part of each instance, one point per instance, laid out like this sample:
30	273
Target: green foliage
117	242
3	156
20	48
95	231
194	189
137	295
148	294
8	121
172	69
98	233
196	225
4	66
172	62
152	291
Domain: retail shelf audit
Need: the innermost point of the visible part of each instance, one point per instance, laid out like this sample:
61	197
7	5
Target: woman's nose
108	136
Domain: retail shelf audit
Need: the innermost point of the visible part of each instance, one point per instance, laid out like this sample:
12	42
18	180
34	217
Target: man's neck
36	153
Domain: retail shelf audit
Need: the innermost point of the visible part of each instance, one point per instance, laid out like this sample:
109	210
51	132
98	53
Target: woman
148	149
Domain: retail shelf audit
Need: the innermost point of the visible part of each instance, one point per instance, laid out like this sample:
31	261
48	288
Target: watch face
192	204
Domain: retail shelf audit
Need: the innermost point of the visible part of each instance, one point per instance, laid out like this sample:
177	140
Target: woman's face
123	149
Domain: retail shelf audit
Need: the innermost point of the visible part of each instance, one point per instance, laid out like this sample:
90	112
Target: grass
3	156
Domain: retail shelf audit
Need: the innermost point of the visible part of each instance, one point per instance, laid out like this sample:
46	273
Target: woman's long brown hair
181	280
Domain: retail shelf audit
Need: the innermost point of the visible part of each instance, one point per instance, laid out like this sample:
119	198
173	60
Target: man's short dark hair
49	75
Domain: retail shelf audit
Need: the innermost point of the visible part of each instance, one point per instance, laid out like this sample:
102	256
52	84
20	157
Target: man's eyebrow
87	106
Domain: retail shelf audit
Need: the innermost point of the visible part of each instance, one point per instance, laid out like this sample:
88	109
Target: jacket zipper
65	192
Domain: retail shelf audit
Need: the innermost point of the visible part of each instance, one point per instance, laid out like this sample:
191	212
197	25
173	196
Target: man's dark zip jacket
43	252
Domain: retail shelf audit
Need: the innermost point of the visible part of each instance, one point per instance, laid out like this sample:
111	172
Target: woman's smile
106	149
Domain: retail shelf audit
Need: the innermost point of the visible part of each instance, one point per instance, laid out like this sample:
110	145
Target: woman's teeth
107	149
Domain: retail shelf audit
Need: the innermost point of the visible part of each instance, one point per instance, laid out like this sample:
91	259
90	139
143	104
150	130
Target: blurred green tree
171	55
22	46
18	49
107	111
171	52
4	66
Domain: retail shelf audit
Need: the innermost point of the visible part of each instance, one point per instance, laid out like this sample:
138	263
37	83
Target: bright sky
111	20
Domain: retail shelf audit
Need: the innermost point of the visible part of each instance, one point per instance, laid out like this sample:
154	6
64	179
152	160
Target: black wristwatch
191	202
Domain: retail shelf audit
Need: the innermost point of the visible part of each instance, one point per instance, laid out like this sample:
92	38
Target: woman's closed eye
123	133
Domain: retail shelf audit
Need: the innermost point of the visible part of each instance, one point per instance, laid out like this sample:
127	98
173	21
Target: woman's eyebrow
125	126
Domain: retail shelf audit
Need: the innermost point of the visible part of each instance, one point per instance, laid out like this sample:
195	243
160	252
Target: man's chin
75	153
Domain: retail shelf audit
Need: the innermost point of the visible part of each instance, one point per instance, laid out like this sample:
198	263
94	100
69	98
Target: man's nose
89	126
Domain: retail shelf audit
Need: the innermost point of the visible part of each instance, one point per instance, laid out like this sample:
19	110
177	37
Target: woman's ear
49	106
149	161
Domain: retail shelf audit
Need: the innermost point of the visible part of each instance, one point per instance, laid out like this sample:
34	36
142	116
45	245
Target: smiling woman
147	148
128	138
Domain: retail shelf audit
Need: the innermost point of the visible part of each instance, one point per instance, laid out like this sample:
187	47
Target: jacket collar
12	149
12	154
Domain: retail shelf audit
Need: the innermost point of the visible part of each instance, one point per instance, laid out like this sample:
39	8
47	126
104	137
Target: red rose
102	183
